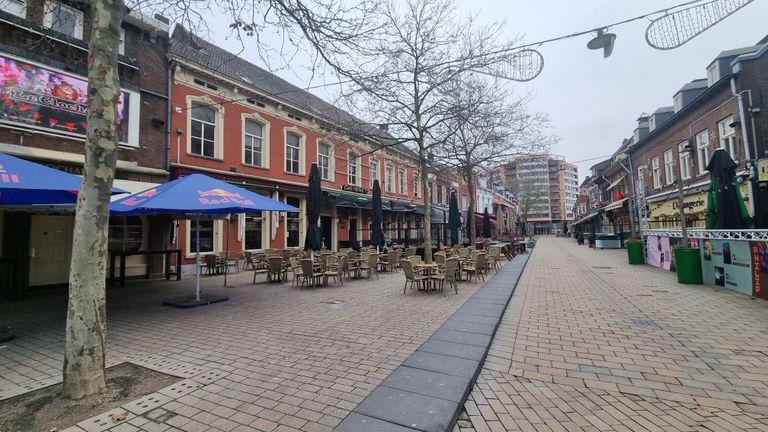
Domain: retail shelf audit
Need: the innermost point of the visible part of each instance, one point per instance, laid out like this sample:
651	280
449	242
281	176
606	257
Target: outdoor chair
276	270
451	273
247	259
480	266
259	267
415	259
470	268
494	255
332	270
439	259
410	275
369	264
296	270
410	251
211	264
344	266
463	253
225	263
308	274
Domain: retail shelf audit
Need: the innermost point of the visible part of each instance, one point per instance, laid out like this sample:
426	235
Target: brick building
43	51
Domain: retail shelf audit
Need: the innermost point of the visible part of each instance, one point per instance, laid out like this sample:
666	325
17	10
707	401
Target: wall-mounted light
156	121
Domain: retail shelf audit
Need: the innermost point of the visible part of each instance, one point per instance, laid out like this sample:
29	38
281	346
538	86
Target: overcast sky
593	103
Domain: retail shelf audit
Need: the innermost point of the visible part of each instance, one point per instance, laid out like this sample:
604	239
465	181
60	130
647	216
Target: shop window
293	223
206	236
126	233
253	231
203	131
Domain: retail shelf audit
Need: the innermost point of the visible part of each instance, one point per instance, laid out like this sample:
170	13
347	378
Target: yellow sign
762	170
693	204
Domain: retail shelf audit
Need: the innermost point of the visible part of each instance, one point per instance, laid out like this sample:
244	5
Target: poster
759	269
42	98
727	264
658	252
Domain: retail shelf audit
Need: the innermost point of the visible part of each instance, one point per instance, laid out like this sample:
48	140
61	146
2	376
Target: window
324	160
439	194
373	168
352	165
293	223
292	153
15	7
403	182
677	102
63	19
669	166
702	150
656	173
728	137
389	180
713	73
206	235
253	143
203	131
685	160
253	231
126	233
121	45
416	185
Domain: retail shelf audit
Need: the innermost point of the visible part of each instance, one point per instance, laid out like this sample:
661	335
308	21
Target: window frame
727	142
353	178
402	181
264	140
48	20
121	43
124	226
656	173
702	146
20	10
216	244
264	230
302	145
299	218
684	156
669	167
331	160
373	173
389	178
217	134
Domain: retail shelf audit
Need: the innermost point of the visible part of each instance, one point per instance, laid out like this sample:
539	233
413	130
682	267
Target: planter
635	253
688	264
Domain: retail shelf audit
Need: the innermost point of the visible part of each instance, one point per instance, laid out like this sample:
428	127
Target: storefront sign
691	206
71	169
727	263
42	98
354	188
762	170
759	269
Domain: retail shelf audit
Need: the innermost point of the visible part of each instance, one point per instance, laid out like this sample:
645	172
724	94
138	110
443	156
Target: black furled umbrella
377	235
486	224
314	199
454	219
725	205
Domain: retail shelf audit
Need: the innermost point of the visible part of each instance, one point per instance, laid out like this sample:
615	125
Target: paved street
273	358
590	343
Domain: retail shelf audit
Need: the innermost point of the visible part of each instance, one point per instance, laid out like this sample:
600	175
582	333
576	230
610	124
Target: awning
613	185
584	219
614	205
132	187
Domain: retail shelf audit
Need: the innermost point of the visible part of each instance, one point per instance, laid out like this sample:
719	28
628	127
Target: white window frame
373	171
685	160
417	184
265	134
302	145
265	230
402	181
702	150
669	167
353	169
677	102
389	178
329	175
246	137
656	173
218	134
121	44
15	7
217	244
48	18
727	136
302	220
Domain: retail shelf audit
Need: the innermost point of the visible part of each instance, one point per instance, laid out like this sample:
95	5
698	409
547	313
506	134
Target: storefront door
353	232
326	231
50	247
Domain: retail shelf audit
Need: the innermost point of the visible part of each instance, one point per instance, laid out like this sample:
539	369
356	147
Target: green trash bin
635	253
688	265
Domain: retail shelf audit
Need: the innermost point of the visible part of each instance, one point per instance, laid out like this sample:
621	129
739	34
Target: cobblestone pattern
272	358
590	343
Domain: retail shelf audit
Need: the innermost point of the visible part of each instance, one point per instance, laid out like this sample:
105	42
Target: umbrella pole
226	254
197	258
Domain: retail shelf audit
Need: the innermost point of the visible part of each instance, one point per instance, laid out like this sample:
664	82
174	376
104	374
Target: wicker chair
451	273
308	274
296	270
410	275
259	267
369	263
276	270
332	270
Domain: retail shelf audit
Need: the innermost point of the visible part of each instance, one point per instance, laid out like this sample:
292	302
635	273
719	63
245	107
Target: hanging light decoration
602	41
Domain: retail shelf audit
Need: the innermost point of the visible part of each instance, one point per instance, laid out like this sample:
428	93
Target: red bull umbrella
196	194
27	183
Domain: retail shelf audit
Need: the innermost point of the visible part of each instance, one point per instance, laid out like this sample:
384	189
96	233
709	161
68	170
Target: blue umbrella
26	183
196	195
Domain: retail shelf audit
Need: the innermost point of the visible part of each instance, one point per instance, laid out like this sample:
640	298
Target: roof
738	51
187	46
666	109
699	83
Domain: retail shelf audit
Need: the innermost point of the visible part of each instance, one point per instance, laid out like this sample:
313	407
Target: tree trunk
472	231
85	345
427	208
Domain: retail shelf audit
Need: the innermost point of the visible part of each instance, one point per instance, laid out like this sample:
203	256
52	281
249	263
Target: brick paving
272	358
590	343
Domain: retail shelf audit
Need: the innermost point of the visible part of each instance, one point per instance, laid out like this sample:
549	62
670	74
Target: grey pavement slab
486	329
420	412
357	422
442	363
462	337
435	384
454	349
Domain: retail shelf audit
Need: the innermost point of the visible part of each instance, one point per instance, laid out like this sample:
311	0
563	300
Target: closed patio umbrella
454	219
314	197
195	196
725	205
377	235
487	224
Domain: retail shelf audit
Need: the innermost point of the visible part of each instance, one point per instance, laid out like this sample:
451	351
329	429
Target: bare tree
488	127
399	75
328	26
526	195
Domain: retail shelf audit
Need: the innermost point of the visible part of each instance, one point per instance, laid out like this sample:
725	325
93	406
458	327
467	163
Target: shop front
664	212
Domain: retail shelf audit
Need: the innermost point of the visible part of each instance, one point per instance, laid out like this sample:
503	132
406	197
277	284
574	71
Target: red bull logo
220	196
219	193
5	177
148	193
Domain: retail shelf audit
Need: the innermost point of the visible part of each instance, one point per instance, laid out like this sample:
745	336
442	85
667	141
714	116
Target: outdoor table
164	252
426	270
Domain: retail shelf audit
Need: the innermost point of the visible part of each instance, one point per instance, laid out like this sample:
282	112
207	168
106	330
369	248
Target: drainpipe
631	197
171	70
747	155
